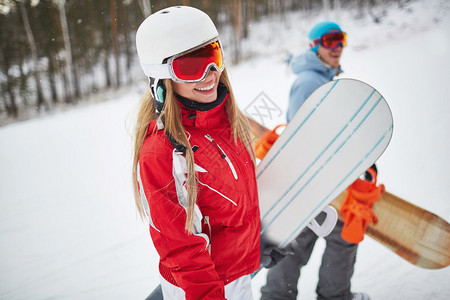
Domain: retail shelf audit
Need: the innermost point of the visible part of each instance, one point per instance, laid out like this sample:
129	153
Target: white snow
68	226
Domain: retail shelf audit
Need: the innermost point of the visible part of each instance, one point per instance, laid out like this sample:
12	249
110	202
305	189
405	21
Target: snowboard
335	136
415	234
339	132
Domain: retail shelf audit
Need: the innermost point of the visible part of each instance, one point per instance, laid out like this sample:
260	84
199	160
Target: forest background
56	53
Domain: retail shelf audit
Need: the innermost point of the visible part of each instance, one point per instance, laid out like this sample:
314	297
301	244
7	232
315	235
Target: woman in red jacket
193	163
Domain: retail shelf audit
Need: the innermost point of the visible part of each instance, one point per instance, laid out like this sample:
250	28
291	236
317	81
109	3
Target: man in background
315	67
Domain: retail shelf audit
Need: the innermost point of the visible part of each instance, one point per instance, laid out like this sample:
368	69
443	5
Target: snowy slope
68	227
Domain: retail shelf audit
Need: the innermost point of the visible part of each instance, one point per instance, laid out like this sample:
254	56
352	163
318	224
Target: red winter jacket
225	242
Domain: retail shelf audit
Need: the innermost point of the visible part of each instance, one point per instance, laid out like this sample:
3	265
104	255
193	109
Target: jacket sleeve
185	255
301	89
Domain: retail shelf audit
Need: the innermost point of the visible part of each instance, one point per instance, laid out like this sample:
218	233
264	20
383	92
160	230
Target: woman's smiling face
204	91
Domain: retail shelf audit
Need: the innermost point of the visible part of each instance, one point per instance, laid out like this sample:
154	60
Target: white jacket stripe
179	172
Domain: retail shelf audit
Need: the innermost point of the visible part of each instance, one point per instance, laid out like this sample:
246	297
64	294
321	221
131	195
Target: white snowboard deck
337	134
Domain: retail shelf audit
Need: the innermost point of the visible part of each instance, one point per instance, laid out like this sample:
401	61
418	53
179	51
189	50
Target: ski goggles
331	40
190	66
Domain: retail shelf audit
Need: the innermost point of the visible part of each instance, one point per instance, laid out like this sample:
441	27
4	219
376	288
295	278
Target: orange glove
264	143
357	208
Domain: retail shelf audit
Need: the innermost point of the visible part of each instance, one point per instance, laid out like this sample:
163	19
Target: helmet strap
179	147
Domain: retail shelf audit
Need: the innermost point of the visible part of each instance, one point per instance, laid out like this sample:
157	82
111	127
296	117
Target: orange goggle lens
194	66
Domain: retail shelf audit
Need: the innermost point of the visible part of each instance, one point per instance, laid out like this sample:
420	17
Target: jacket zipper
223	155
206	222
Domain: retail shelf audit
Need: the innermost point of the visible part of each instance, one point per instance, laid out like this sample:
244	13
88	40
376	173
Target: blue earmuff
158	91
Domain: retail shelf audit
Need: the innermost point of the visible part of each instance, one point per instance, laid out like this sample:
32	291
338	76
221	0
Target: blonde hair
171	116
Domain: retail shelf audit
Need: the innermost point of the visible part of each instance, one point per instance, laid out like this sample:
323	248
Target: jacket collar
195	114
205	115
309	61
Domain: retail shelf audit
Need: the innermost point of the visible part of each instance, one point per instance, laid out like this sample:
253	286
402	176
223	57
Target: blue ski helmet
320	29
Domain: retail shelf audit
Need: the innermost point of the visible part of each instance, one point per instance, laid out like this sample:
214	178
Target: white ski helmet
168	32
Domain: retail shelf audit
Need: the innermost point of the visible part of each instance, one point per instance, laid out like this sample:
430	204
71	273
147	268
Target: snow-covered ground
68	226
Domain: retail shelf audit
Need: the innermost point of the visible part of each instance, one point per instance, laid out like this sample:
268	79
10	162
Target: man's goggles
331	40
190	66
